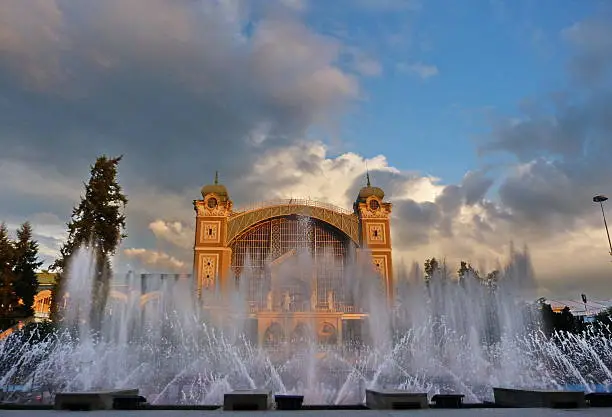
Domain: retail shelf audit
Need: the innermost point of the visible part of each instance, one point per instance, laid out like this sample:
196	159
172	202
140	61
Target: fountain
440	338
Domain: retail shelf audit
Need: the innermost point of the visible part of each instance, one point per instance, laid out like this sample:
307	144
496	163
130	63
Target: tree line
434	268
549	321
97	222
18	283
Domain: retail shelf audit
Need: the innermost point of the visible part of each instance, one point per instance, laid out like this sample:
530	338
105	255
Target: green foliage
99	222
9	301
464	269
605	317
18	283
558	322
26	264
432	266
492	279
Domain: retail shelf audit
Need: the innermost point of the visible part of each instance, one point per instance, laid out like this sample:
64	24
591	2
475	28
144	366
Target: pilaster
212	256
375	237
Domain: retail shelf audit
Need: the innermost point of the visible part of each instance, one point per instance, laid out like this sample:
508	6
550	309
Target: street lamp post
600	199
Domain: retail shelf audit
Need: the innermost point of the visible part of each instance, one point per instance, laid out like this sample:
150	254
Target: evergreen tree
99	223
466	271
432	266
492	280
26	264
9	301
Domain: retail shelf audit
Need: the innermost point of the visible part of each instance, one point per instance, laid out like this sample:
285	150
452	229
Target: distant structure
42	299
264	242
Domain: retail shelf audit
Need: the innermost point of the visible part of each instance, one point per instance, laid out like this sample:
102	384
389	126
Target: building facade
292	256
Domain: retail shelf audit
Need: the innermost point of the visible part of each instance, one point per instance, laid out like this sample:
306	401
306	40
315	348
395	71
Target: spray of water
441	337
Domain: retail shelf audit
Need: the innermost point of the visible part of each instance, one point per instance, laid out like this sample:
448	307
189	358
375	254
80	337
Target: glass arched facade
292	263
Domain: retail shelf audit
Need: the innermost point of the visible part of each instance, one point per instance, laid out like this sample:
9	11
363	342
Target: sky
487	122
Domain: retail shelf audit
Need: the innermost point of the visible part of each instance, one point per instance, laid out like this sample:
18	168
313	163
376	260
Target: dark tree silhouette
26	264
9	301
97	222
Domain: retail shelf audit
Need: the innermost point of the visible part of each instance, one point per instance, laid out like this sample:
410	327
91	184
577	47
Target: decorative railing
292	202
296	308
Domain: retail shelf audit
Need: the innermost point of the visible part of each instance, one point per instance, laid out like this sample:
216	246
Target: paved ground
499	412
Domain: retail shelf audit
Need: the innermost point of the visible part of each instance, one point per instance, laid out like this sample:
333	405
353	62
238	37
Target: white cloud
173	232
156	261
423	71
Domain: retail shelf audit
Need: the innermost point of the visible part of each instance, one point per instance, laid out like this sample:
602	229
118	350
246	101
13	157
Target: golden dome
369	191
216	188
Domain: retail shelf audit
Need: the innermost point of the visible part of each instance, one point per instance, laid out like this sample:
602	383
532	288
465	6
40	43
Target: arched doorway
328	335
274	335
301	334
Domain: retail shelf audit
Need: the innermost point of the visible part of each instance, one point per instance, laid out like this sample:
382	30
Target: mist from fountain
441	337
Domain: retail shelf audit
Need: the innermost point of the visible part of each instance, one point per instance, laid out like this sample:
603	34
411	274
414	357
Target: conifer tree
99	223
24	269
432	266
9	301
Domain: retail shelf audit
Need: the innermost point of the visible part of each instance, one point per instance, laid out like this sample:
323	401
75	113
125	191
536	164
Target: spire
367	174
216	177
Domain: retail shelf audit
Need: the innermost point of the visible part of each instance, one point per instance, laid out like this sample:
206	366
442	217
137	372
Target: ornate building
292	255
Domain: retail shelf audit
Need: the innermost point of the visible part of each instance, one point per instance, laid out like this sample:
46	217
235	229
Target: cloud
174	232
156	261
185	88
423	71
27	47
592	40
562	144
176	84
362	62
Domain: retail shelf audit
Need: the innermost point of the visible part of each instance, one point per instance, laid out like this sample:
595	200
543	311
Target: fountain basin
508	397
448	400
393	399
247	400
91	400
599	399
288	402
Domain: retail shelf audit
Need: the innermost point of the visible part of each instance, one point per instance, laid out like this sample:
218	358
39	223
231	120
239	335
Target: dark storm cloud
414	223
393	183
562	141
475	186
180	87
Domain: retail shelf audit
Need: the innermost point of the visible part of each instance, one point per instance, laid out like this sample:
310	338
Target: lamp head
599	198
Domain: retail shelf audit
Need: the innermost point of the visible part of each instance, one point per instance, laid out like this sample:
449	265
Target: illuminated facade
292	256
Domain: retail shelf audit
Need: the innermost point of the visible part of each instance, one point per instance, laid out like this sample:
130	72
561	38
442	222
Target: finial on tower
216	177
368	190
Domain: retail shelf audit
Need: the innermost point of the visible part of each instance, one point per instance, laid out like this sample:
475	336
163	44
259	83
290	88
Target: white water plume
444	337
